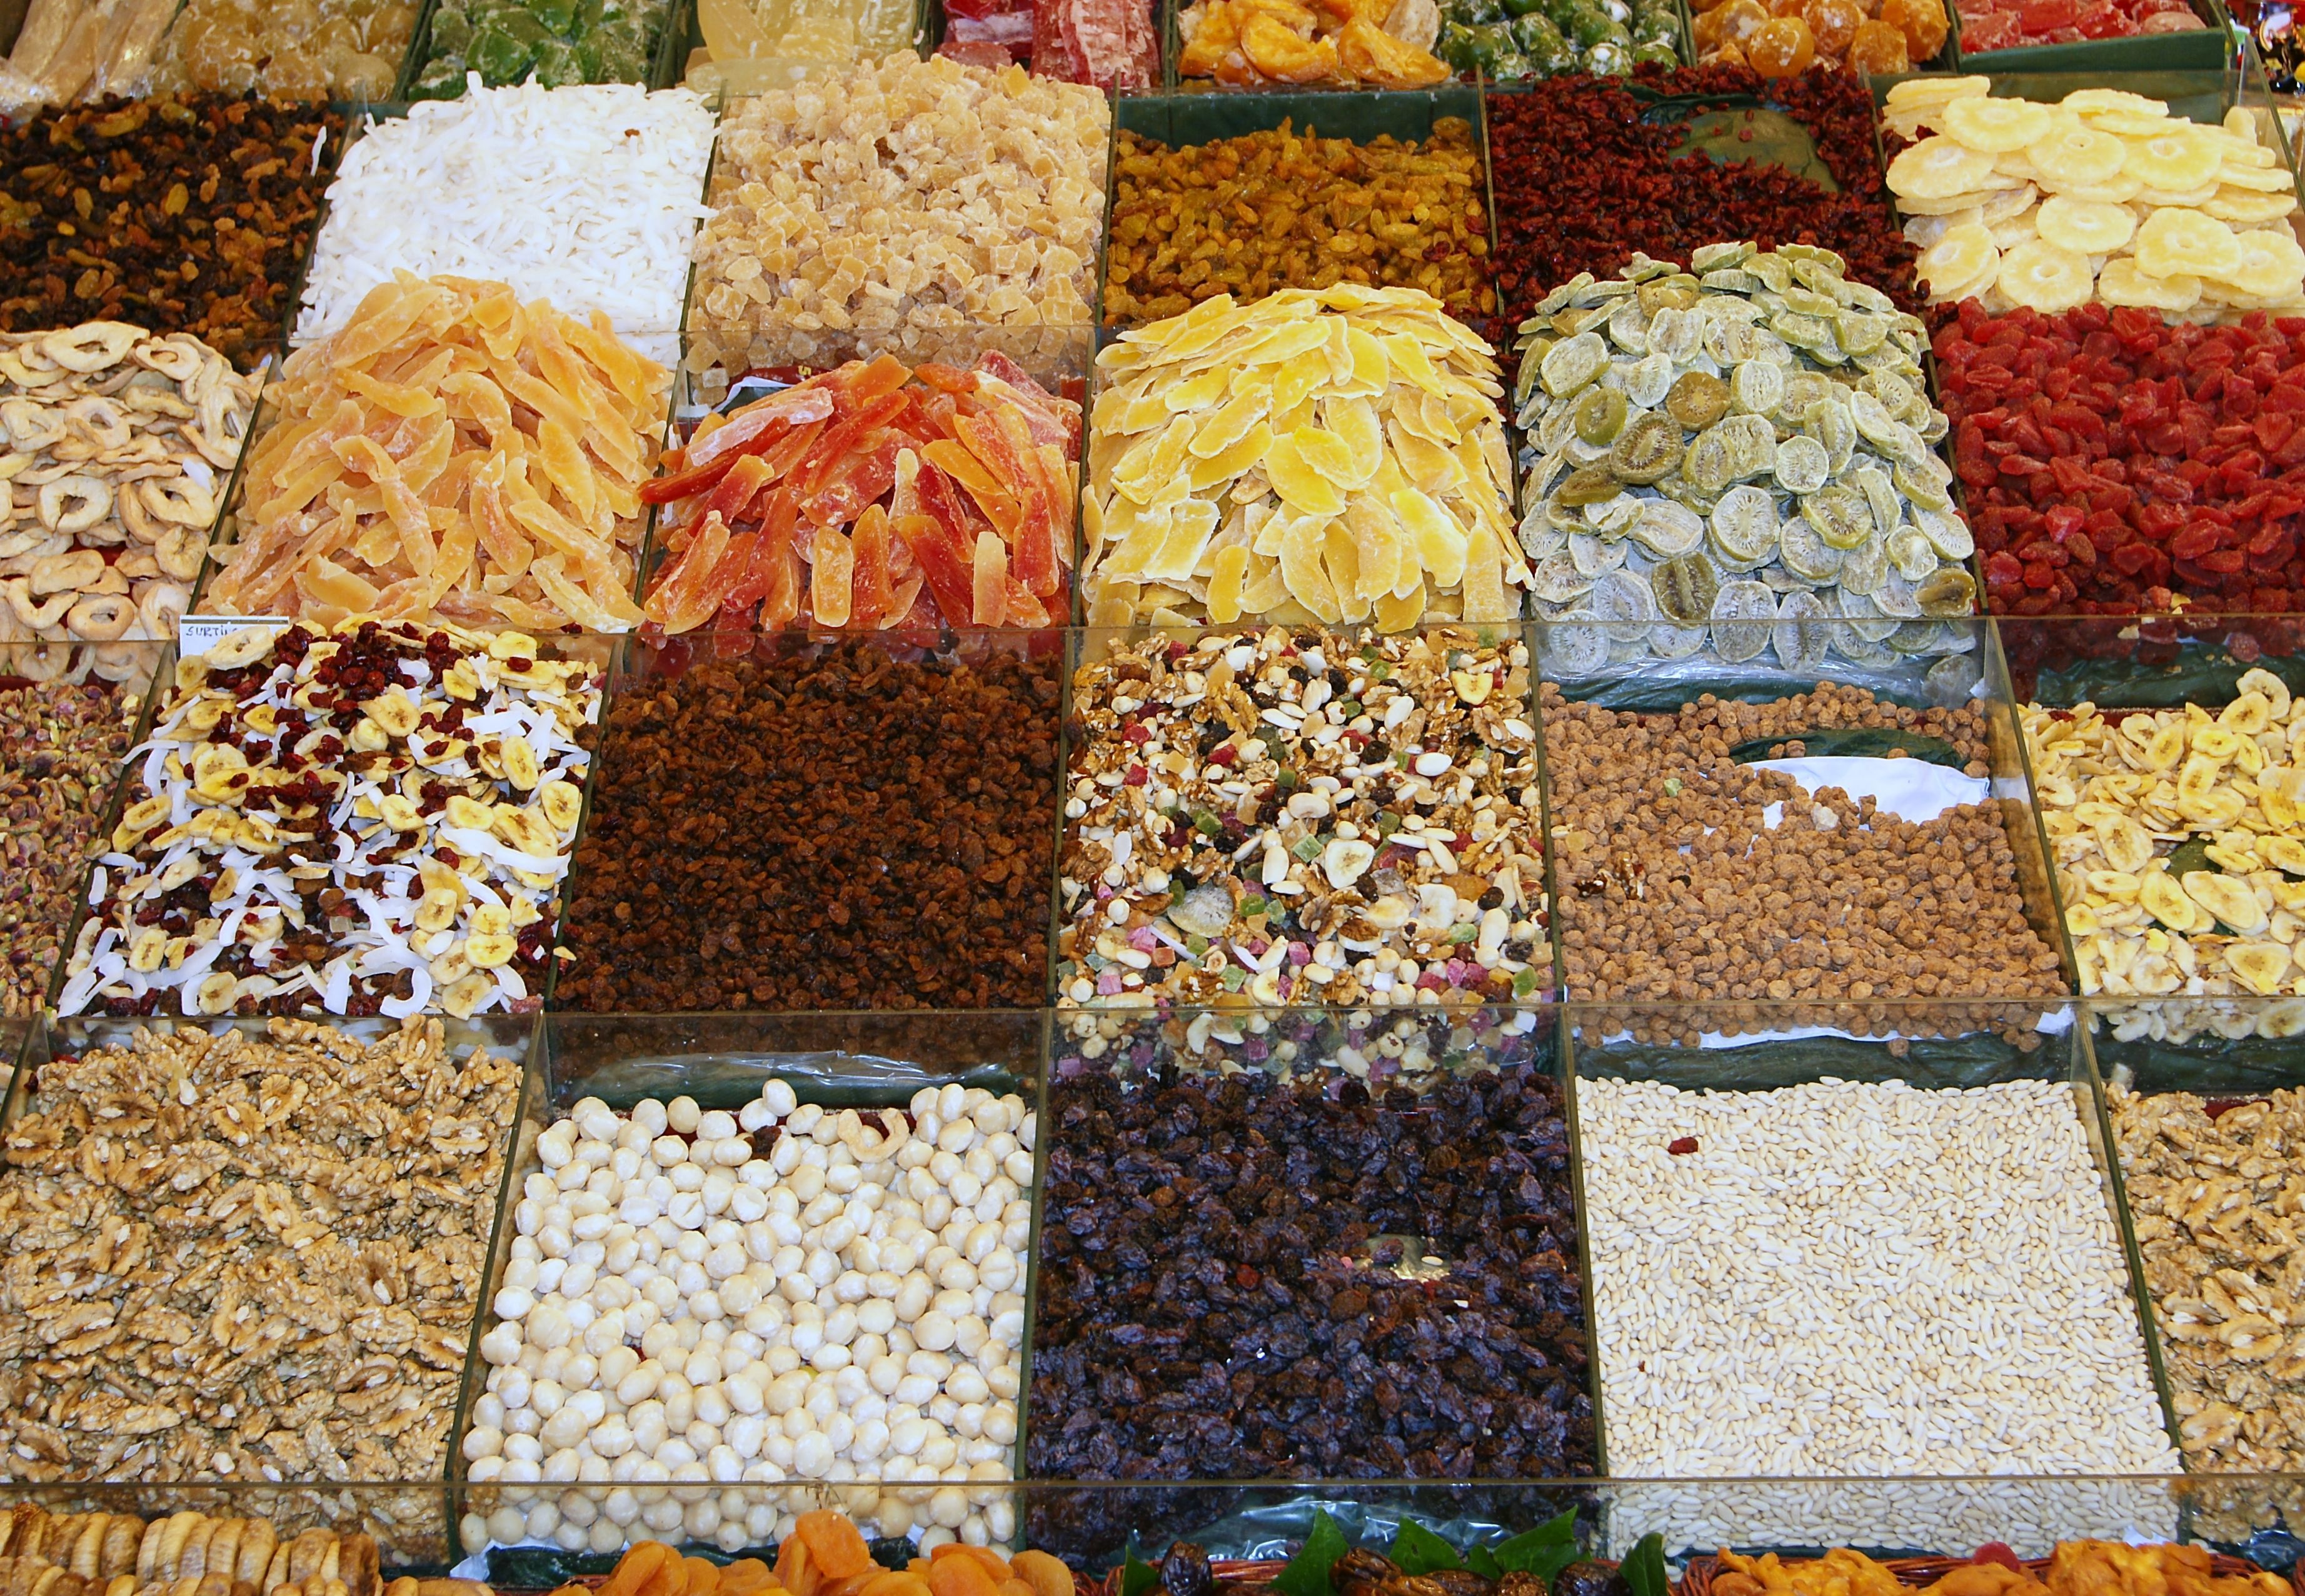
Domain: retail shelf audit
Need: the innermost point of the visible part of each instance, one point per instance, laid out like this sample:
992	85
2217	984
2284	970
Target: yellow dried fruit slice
2262	180
1398	612
1371	368
1297	481
1377	540
2020	228
2085	226
2074	153
1939	167
2042	277
1982	122
2088	102
2258	965
1967	200
1439	541
1915	93
1224	584
1960	263
1191	524
1353	423
2249	206
1484	592
2227	899
1301	548
1265	586
2117	190
1341	561
2241	124
2176	242
1427	465
1328	454
2193	198
2167	902
1299	378
1243	454
1227	425
1196	393
2272	264
2283	853
1410	362
2180	158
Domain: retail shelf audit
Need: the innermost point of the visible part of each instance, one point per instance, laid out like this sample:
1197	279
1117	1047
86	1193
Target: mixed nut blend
61	744
1247	1276
1263	818
372	821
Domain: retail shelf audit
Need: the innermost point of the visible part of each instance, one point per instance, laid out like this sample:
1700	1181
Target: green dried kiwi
1666	528
1912	554
1743	615
1805	553
1773	270
1865	568
1803	465
1647	451
1677	334
1757	386
1862	619
1685	589
1560	296
1803	389
1920	488
1731	280
1594	555
1588	485
1895	393
1629	327
1915	639
1873	421
1803	635
1880	493
1697	399
1710	465
1745	525
1857	333
1933	426
1648	380
1828	422
1947	533
1708	258
1896	599
1821	308
1823	257
1576	318
1752	445
1816	276
1557	580
1840	516
1667	293
1732	342
1571	363
1612	515
1531	363
1601	415
1945	592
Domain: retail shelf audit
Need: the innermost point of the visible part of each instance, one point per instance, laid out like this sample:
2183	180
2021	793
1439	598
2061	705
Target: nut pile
2114	461
245	1258
1737	458
121	444
840	830
2213	1194
1279	209
298	49
180	215
1674	887
1262	1278
1317	455
1857	1279
375	821
450	453
907	206
2102	196
1255	821
61	744
780	1292
2179	840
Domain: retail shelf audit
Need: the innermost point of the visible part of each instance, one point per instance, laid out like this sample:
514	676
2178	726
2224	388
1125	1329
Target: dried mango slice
1299	481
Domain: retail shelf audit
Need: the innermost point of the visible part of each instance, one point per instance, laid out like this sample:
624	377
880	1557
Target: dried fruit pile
1263	44
840	830
1990	25
1781	39
2179	841
450	451
875	496
1300	820
375	821
1315	456
2102	196
1378	1286
121	443
1507	41
61	744
2110	460
1666	188
556	41
1276	209
1729	459
303	49
185	216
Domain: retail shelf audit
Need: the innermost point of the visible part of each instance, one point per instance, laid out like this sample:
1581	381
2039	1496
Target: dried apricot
961	1577
1046	1575
835	1547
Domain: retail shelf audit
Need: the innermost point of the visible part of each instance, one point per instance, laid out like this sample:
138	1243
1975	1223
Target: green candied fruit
452	32
557	16
558	63
443	78
1548	53
1657	53
1511	67
1492	42
499	57
1609	59
621	63
1594	27
1454	45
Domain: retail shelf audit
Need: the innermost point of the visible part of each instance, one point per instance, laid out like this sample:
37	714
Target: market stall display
1319	454
450	453
122	444
750	44
373	820
555	42
585	196
2104	196
80	1554
1736	462
306	50
208	207
920	208
1268	206
874	496
61	744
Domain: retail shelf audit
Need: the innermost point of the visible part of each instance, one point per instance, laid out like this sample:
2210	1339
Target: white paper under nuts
1853	1280
680	1314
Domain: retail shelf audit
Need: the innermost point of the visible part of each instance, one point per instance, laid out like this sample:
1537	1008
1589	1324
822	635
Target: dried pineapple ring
2011	202
2176	242
2119	189
2178	159
2041	276
1938	168
2262	180
2084	226
2241	124
1961	263
1983	123
2089	101
2248	206
2272	264
1915	205
1915	94
2073	153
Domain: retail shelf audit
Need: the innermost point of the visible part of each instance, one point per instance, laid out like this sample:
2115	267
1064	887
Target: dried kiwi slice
1601	415
1685	589
1840	516
1864	568
1647	381
1711	464
1758	386
1945	592
1557	580
1745	525
1912	554
1803	634
1698	400
1588	485
1571	363
1647	451
1803	465
1947	533
1805	553
1744	615
1666	528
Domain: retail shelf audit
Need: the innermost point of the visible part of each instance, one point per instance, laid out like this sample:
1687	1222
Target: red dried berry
1681	1145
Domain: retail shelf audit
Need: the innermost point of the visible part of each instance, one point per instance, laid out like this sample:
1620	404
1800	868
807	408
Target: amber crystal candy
1781	47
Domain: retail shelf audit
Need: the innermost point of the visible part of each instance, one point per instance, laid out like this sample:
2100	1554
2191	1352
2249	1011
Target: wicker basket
1696	1578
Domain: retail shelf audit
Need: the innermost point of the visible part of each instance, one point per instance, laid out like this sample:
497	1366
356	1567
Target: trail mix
1384	1281
2179	841
1279	209
180	215
2213	1188
1254	820
125	441
1316	455
251	1255
372	820
1738	457
837	829
2102	196
1677	887
2114	463
61	744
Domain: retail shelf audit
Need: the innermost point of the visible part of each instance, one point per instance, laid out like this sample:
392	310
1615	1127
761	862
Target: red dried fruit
1680	1146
